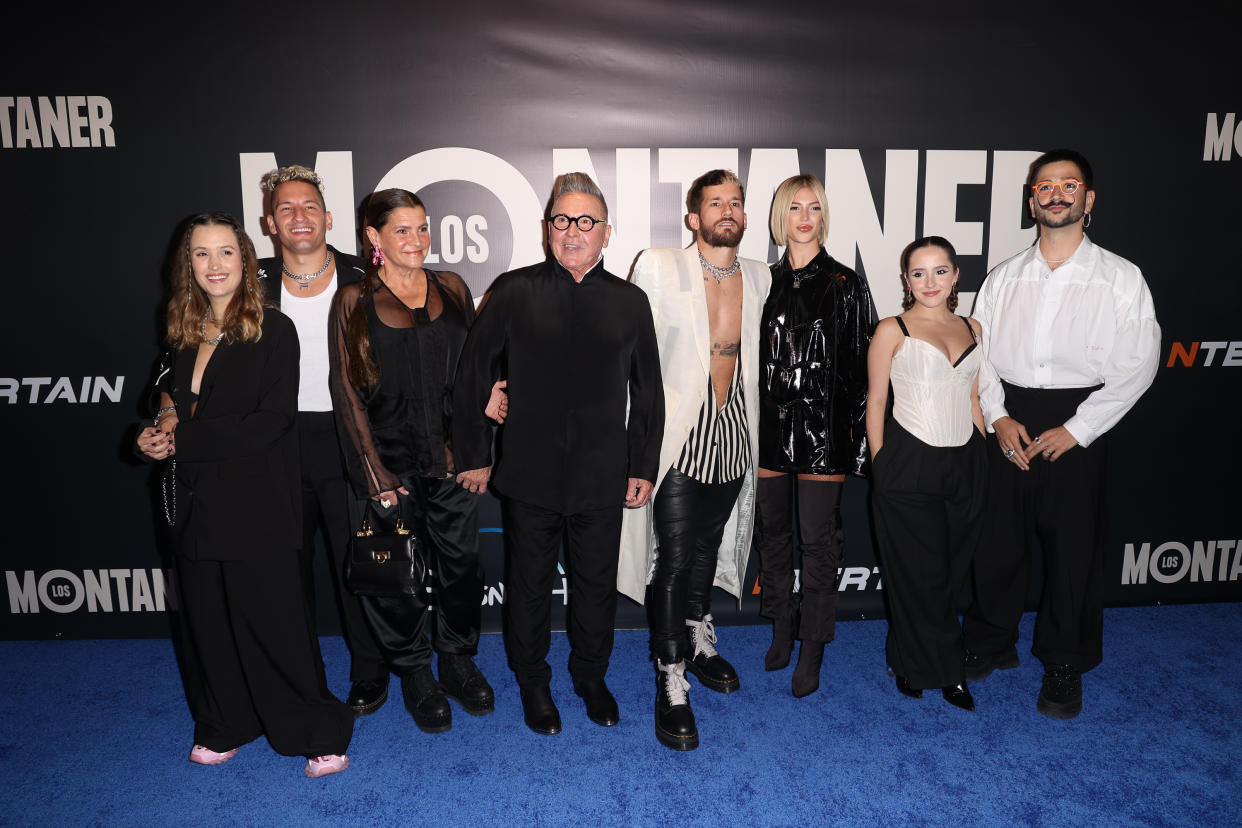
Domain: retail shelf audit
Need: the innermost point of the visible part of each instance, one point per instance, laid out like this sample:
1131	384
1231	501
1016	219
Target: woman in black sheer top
395	338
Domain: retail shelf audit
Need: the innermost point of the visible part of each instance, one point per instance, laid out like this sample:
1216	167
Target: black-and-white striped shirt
717	450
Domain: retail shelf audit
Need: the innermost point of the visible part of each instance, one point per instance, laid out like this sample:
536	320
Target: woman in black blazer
253	663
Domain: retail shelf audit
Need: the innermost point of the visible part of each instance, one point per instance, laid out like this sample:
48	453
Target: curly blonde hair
283	175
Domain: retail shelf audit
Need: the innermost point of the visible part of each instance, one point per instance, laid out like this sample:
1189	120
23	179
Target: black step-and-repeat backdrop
114	128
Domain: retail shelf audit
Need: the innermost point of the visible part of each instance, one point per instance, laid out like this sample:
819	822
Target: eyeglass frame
1057	185
575	220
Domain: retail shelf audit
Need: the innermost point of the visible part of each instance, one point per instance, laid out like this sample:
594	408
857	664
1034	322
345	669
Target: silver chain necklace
305	281
720	273
202	331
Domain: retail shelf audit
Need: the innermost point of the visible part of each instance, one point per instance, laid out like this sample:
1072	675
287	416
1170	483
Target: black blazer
239	490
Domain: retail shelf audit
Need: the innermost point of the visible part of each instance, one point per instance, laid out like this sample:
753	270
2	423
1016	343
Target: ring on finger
1039	439
1008	453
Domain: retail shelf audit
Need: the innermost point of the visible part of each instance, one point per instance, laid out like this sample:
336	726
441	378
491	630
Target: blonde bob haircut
187	304
783	198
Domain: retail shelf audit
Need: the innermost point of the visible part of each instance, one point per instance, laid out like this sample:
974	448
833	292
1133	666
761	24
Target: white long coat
673	281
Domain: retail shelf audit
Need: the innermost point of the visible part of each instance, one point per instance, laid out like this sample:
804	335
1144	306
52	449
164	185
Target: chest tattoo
725	349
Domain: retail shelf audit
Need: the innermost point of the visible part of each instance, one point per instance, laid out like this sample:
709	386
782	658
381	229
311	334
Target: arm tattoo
726	349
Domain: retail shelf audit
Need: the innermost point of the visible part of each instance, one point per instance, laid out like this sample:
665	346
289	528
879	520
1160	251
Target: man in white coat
706	303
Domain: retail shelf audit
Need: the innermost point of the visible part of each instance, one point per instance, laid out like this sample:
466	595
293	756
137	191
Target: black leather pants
689	519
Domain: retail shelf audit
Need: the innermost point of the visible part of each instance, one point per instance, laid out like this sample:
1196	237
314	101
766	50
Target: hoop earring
1086	221
377	256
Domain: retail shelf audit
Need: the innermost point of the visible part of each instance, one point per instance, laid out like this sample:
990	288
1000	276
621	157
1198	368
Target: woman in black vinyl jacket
812	406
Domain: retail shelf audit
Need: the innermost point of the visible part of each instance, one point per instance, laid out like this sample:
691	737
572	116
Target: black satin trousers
406	630
689	521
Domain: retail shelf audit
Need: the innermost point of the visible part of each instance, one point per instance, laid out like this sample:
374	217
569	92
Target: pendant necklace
719	273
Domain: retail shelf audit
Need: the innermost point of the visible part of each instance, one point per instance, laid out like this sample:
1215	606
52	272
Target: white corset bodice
931	397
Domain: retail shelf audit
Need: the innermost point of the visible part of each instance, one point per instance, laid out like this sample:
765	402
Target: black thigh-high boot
774	542
823	542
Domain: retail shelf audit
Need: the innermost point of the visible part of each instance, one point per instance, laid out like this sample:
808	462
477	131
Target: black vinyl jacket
817	324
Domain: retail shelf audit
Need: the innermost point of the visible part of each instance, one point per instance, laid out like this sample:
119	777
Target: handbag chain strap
170	513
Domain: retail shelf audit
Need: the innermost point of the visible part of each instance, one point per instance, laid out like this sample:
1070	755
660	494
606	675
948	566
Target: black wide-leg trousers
326	501
1062	505
407	632
822	543
253	662
533	538
689	523
928	505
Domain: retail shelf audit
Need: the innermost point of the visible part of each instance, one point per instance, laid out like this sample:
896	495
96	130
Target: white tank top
310	317
931	397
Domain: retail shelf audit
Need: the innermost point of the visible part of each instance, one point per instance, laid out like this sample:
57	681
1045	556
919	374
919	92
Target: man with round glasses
581	441
1070	343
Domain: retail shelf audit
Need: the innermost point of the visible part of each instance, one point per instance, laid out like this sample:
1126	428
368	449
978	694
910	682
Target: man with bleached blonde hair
301	280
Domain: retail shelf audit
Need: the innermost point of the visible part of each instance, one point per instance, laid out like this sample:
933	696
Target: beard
714	236
1045	218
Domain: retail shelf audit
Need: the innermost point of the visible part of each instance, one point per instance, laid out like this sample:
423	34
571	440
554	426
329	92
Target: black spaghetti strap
966	322
902	325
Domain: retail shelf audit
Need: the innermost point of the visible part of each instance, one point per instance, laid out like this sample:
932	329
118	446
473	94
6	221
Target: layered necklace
719	273
304	282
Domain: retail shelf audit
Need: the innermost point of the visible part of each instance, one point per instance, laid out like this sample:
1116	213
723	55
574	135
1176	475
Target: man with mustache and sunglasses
1070	343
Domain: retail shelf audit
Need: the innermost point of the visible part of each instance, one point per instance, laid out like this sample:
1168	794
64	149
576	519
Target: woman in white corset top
928	466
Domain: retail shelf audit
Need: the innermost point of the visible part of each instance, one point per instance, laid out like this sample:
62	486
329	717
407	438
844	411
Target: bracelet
156	420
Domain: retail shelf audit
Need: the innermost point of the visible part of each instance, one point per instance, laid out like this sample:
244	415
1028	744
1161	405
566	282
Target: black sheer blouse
402	426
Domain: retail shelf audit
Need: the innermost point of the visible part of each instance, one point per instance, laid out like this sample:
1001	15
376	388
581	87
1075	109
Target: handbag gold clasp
381	555
365	531
401	530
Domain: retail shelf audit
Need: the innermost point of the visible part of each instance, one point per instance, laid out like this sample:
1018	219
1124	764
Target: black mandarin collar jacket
573	353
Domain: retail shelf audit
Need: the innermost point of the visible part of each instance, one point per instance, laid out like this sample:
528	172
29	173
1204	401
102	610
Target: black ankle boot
674	721
806	674
777	656
426	702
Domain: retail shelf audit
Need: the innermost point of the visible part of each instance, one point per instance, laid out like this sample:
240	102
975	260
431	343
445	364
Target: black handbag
388	564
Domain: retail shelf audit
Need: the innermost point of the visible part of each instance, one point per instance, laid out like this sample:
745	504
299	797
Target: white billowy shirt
310	317
1089	322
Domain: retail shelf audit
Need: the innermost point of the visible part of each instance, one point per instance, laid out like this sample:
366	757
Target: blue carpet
97	733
